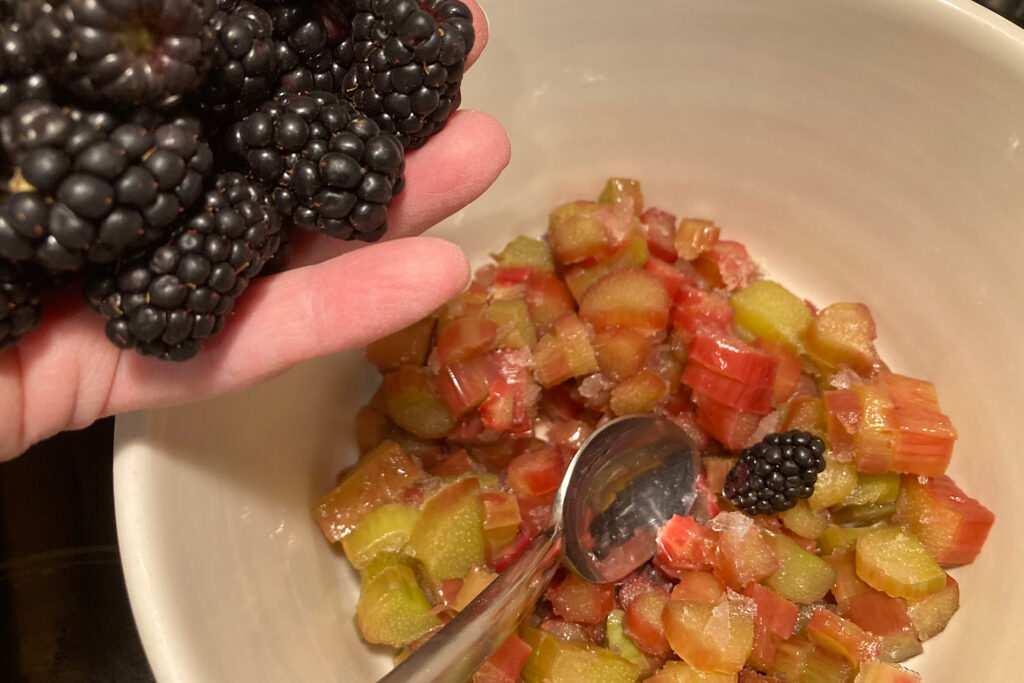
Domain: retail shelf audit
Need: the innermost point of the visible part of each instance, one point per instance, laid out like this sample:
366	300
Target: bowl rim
977	25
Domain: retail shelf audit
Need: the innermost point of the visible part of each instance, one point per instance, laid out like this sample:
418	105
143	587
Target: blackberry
165	301
774	474
409	58
245	63
20	286
330	168
307	36
139	52
88	188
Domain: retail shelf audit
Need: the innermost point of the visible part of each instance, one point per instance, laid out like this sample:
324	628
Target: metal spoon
624	482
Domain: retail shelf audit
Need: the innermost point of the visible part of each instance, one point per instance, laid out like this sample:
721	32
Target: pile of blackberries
159	152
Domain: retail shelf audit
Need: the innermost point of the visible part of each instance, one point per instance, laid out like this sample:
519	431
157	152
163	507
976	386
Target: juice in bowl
828	518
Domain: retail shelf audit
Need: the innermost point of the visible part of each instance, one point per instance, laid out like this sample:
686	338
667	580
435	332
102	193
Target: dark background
64	614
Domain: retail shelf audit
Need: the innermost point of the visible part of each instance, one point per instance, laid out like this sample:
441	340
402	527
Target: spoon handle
455	652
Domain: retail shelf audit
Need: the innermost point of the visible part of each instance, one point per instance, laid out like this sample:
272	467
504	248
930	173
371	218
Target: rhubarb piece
951	525
838	539
537	472
547	298
671	277
726	265
526	252
659	228
621	352
515	329
630	297
464	385
465	337
842	637
501	521
843	335
632	252
581	602
803	577
930	613
848	585
696	311
676	671
564	352
694	237
371	427
833	485
376	479
743	555
575	233
803	521
732	393
392	609
821	666
774	612
884	672
791	657
408	346
892	560
873	489
684	545
806	413
731	427
702	587
767	309
716	638
414	404
729	357
553	660
448	537
474	584
620	643
384	529
787	379
623	193
925	436
640	393
505	665
889	619
643	623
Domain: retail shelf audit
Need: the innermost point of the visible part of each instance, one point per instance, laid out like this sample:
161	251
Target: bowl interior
864	151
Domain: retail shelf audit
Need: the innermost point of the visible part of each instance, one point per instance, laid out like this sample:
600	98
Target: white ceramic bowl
866	151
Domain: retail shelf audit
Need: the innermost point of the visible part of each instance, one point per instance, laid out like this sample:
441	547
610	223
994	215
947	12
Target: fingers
482	30
301	314
442	177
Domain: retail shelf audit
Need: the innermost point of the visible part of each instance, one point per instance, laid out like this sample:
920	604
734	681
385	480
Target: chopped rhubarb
579	601
726	265
630	297
505	665
951	525
694	237
660	230
465	337
685	545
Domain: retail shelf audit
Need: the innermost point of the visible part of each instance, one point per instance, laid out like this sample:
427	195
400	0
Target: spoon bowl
629	478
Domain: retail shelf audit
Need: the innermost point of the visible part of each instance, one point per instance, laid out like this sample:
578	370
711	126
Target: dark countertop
64	613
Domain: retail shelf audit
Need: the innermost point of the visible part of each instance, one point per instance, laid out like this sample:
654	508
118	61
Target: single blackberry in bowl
166	301
409	58
245	63
772	475
20	286
139	52
86	187
330	168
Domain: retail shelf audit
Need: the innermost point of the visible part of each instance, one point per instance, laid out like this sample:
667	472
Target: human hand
66	373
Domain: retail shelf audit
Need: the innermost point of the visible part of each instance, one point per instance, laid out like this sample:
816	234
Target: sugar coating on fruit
799	435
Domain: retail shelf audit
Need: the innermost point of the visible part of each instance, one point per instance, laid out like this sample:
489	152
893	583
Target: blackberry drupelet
166	301
774	474
330	168
139	52
21	66
245	63
409	58
20	286
88	188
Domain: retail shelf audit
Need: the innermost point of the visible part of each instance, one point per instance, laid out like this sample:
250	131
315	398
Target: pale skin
335	296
